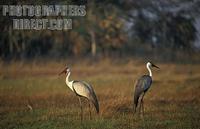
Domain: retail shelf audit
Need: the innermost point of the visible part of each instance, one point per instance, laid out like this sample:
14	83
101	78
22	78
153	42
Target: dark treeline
110	28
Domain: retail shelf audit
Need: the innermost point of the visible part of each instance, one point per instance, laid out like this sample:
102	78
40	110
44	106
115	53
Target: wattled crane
81	89
142	85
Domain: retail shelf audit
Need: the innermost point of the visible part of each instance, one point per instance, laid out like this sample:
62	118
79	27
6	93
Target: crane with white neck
142	85
82	90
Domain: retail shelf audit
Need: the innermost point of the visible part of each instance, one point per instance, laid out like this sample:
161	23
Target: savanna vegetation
32	95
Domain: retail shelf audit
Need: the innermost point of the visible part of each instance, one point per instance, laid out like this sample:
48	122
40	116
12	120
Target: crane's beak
64	71
155	66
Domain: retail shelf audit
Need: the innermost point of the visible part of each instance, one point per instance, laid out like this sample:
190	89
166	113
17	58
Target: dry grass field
173	101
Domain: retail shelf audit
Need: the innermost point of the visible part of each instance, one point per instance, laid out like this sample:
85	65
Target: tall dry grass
174	94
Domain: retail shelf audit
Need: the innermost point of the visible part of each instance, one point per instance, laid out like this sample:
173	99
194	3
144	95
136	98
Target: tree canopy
110	26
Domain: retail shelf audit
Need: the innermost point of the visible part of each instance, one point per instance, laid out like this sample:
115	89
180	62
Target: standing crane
81	89
141	87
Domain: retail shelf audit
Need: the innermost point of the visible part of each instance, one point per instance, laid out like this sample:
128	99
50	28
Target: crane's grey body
82	89
142	85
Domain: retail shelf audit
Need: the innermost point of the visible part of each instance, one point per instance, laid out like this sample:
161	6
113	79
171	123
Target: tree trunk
93	43
10	41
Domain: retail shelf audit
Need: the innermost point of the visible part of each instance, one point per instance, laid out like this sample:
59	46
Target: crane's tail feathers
96	105
136	98
95	102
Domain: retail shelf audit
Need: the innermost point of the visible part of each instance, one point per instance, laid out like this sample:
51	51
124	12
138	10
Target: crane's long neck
150	73
69	83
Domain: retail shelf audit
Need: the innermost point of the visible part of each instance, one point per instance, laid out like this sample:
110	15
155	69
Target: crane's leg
79	98
141	106
142	103
89	109
134	109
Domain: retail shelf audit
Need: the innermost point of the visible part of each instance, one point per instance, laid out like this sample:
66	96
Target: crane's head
150	64
66	70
